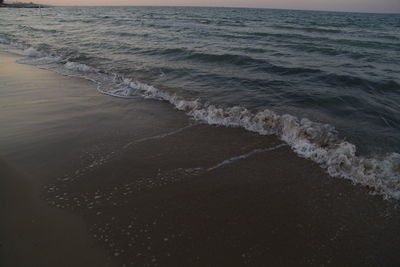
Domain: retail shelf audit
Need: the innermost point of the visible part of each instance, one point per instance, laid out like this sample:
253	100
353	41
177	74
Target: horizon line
244	7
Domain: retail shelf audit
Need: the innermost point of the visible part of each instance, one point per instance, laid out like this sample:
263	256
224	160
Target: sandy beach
92	180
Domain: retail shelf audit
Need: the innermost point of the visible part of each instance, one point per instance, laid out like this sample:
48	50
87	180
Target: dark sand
91	180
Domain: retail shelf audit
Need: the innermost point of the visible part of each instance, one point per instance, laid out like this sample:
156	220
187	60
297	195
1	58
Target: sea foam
32	52
79	67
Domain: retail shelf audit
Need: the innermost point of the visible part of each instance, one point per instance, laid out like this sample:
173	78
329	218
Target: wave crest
79	67
32	52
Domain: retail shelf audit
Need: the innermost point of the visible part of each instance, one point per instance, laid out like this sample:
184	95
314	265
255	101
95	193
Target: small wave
30	28
35	57
79	67
69	20
314	141
221	22
291	71
4	41
278	35
327	50
379	45
388	36
204	21
229	58
309	29
251	49
166	51
9	44
350	42
122	34
230	23
32	52
352	81
242	60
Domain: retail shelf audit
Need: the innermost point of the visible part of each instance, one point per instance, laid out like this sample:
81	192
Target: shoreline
313	140
153	188
23	5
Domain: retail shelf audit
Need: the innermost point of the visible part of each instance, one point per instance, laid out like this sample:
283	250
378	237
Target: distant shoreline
23	5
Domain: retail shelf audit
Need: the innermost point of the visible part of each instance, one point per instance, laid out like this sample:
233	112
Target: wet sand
91	180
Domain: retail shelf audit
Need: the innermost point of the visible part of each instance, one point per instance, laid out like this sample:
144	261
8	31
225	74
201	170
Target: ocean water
327	83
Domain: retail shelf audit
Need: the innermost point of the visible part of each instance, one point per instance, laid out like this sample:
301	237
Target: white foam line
158	136
244	156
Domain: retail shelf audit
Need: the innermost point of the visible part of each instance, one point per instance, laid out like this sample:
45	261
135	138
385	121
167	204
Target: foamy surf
315	141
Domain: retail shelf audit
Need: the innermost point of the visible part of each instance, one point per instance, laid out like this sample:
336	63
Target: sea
326	83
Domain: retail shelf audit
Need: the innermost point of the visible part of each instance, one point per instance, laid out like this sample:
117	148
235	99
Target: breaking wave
308	29
315	141
32	52
311	140
79	67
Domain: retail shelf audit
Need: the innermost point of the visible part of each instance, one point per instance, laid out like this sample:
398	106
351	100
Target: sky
392	6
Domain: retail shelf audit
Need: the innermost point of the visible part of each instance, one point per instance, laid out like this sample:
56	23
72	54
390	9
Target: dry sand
91	180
